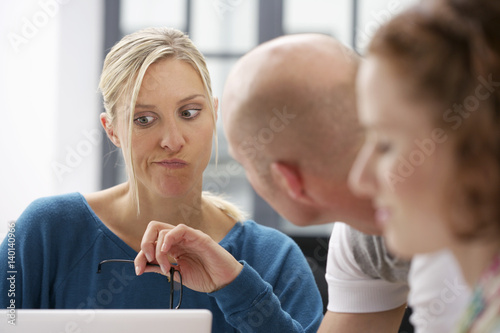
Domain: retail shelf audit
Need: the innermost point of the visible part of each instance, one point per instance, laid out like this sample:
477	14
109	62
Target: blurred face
172	130
404	164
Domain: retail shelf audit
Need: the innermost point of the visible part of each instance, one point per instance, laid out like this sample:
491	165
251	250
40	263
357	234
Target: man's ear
290	179
216	108
109	130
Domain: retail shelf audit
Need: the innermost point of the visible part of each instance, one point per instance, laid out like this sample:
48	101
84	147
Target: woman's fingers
153	268
143	266
175	236
205	265
140	263
162	258
148	243
183	236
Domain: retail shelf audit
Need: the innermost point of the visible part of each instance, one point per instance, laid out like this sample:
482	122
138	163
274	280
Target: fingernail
163	247
149	257
137	270
163	269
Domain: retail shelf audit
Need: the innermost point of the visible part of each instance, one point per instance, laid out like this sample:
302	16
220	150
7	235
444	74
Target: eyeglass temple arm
118	260
171	280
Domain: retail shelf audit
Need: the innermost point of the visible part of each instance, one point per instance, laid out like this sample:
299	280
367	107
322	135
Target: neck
116	207
190	209
474	257
187	209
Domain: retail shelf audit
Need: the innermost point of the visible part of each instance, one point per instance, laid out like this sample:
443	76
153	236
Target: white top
439	294
350	290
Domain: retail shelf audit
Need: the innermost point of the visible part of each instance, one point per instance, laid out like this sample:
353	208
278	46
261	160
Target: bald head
289	113
292	99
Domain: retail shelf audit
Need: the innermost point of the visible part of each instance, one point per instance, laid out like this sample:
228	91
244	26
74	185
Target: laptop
101	321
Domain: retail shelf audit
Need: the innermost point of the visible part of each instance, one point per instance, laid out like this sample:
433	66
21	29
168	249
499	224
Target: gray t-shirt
375	260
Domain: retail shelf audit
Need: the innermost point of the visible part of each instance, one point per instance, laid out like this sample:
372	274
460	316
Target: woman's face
172	130
404	164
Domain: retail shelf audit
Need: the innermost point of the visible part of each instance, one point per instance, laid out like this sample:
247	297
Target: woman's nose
173	138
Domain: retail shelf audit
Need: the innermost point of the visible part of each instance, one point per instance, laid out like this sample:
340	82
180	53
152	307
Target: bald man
289	114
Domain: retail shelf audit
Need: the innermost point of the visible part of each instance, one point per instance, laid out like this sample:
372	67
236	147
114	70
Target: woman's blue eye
191	113
143	120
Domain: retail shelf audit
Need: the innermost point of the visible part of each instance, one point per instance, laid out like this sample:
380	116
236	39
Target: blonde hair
122	75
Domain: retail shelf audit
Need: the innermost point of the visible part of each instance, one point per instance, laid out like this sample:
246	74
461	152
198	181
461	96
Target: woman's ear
289	178
109	129
216	108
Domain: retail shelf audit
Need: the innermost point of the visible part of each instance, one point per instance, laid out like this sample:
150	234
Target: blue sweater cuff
243	293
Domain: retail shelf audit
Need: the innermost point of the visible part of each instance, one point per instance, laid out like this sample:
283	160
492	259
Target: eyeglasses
170	278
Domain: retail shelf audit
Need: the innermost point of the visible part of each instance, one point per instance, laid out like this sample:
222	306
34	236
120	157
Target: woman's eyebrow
190	97
185	99
145	106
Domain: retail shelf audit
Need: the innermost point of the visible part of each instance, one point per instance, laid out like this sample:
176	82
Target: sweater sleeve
251	304
23	249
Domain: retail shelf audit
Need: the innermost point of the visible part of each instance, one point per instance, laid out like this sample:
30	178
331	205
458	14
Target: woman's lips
172	164
382	215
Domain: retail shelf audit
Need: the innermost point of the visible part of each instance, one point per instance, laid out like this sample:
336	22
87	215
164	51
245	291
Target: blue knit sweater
59	241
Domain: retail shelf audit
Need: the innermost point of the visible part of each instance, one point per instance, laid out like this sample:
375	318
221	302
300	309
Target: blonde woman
430	102
161	113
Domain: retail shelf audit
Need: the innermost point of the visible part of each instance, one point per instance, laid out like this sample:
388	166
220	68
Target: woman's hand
204	264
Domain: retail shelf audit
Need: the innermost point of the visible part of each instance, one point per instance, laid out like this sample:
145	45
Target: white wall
50	60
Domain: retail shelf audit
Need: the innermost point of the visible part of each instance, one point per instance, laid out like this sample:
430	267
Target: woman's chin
398	246
170	189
